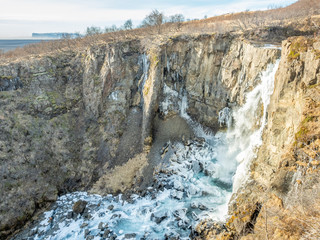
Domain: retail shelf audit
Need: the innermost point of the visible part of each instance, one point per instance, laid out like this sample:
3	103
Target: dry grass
232	22
298	220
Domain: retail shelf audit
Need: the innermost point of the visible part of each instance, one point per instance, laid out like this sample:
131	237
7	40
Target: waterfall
242	140
144	64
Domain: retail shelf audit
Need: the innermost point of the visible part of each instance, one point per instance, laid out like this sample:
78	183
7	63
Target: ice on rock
197	181
225	117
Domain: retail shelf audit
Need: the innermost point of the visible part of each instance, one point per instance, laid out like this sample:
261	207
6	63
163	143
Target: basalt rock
282	194
79	207
69	121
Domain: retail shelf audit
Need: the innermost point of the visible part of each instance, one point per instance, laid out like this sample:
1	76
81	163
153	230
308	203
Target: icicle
225	117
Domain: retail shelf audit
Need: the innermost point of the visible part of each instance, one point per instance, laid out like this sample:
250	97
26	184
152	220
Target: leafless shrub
155	18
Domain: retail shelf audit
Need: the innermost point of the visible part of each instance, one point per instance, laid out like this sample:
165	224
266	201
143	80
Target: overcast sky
19	18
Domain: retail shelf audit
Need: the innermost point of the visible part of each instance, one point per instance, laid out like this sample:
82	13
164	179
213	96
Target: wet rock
116	216
192	190
86	215
202	207
184	224
172	236
79	207
110	207
180	214
210	170
143	193
113	237
165	149
194	205
202	167
83	225
102	214
194	216
90	237
130	236
205	193
177	194
188	142
199	140
159	217
153	196
33	232
86	232
196	167
101	226
178	185
106	233
71	215
145	236
127	197
130	200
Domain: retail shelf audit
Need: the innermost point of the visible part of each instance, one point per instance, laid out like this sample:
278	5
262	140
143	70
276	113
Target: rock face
70	119
63	125
7	84
281	198
212	71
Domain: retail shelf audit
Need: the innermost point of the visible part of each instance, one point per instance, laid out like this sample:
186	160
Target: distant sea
8	44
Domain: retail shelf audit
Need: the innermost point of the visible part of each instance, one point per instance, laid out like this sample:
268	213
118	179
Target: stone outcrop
70	120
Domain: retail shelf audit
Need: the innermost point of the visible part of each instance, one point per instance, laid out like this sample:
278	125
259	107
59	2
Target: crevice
249	227
10	84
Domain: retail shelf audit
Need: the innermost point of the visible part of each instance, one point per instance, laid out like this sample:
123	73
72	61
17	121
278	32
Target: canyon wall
281	198
91	120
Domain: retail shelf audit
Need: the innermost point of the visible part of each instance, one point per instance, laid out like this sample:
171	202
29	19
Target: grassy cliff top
299	18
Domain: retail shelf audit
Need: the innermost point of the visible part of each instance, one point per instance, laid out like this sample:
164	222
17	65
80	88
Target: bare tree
155	18
113	28
93	31
176	18
128	25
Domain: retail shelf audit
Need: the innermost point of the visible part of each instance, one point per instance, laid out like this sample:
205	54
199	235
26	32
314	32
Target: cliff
281	198
96	120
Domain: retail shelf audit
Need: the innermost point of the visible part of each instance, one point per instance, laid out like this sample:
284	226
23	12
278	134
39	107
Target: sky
20	18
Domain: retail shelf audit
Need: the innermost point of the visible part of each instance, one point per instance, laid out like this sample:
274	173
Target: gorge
202	136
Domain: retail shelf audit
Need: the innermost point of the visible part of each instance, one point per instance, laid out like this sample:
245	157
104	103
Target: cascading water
246	135
196	183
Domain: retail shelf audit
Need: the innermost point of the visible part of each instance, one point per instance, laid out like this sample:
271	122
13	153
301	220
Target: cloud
21	16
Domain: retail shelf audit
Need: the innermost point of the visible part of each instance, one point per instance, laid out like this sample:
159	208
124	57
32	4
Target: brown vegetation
298	15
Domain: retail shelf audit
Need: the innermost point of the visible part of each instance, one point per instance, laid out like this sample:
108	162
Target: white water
246	135
197	181
144	62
